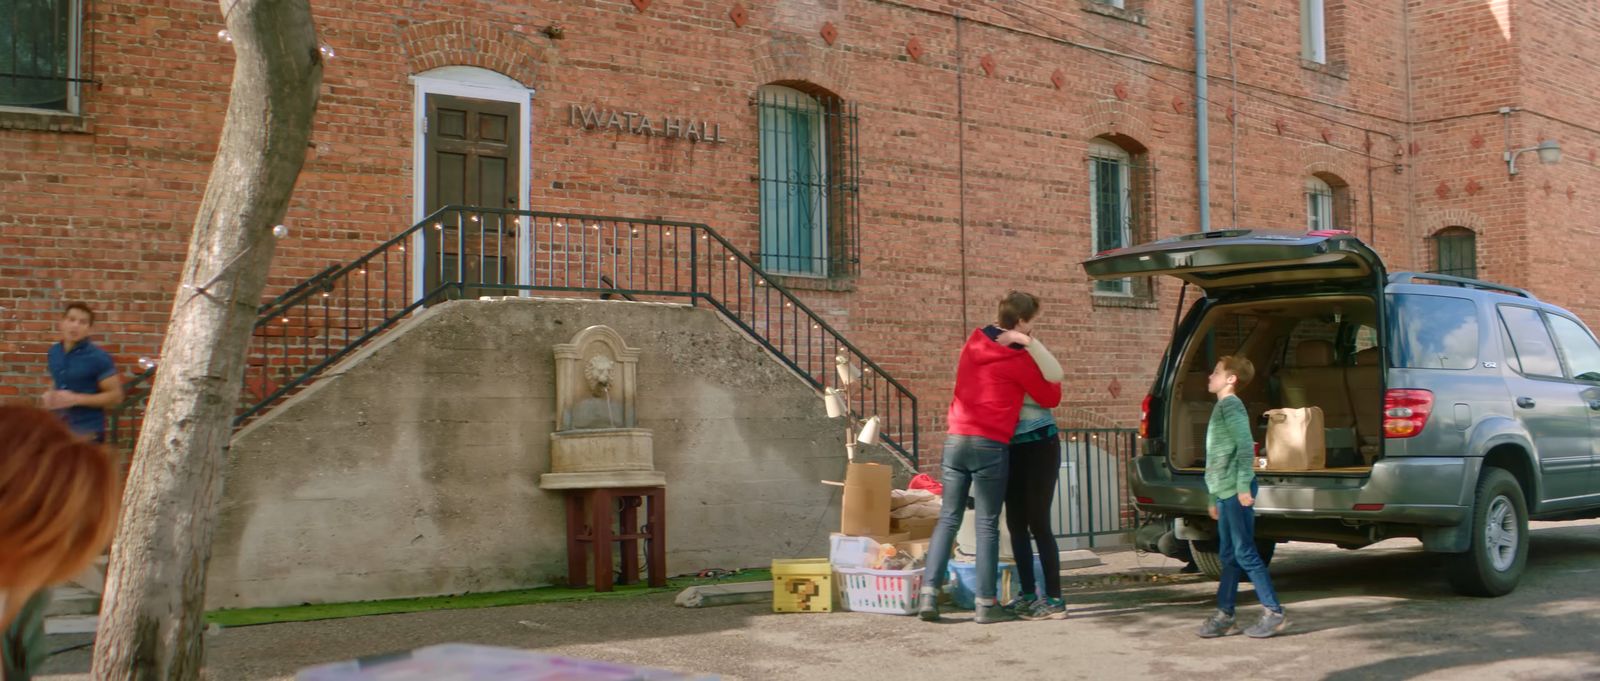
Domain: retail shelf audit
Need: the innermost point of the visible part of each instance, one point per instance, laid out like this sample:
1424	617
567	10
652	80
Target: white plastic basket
890	592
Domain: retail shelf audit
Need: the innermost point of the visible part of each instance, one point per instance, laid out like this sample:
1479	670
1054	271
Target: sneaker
1219	624
1045	609
1271	624
928	607
994	614
1023	603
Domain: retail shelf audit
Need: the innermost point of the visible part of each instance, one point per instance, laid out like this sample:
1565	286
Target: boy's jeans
982	465
1236	542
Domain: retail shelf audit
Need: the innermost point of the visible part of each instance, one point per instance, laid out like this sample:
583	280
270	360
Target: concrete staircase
75	606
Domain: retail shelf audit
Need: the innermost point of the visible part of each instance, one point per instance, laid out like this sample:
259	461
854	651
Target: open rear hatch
1265	297
1234	259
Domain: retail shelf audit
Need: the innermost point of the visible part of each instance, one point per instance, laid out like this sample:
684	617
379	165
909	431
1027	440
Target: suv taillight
1144	417
1405	412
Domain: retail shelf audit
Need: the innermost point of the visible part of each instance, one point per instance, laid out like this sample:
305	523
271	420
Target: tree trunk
152	617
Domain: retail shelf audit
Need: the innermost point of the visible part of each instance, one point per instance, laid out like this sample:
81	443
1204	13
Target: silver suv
1455	410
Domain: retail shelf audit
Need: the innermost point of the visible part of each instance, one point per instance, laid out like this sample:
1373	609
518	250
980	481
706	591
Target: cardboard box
865	511
1295	439
917	528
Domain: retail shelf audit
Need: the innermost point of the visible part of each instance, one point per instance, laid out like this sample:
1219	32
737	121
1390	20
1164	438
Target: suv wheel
1209	560
1499	539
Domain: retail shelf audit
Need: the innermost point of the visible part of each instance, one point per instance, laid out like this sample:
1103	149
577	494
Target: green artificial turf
552	594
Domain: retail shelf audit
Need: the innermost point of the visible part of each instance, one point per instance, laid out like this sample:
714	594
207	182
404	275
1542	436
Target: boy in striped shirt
1231	484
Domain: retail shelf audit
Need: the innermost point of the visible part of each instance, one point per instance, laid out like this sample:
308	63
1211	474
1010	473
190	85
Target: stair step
72	600
71	624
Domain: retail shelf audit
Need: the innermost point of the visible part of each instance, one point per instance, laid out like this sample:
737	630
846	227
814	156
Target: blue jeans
1236	547
981	465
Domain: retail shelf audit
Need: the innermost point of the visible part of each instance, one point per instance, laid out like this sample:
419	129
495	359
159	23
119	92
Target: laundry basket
890	592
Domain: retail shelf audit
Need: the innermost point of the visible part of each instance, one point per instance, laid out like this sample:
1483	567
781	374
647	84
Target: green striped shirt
1230	449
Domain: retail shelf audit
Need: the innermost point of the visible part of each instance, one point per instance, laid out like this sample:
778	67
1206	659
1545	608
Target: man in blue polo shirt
84	377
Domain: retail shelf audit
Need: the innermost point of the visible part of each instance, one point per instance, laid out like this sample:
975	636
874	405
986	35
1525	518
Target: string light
363	270
438	226
474	218
225	36
286	320
326	50
280	231
148	363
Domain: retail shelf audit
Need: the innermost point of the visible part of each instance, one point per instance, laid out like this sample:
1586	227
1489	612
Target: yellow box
802	585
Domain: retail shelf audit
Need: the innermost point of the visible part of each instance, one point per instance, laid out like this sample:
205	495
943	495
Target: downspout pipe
1202	131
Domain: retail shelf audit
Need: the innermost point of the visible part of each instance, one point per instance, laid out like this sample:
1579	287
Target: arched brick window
1455	252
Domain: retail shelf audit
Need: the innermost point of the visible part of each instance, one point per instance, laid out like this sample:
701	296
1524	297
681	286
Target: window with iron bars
39	41
810	166
1455	252
1329	204
1121	199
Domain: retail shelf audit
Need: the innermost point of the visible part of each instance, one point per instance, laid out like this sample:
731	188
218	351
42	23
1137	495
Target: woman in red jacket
994	374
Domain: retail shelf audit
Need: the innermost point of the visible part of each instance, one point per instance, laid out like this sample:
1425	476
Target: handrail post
694	267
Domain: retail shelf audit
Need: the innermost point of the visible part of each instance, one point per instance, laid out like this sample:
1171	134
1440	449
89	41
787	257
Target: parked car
1456	410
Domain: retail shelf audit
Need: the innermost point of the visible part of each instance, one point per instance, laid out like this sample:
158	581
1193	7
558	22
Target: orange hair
59	499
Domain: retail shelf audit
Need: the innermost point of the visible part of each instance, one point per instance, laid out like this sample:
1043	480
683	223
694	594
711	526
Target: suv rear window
1433	332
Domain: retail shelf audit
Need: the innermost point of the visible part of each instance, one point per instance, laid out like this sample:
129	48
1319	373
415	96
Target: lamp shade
869	432
1549	152
848	373
834	400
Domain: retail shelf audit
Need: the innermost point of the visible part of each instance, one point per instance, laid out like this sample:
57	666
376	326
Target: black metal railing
124	420
470	252
1092	498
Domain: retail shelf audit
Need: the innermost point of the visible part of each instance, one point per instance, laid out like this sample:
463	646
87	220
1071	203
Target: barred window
1111	206
1455	252
1329	203
809	170
39	54
1319	205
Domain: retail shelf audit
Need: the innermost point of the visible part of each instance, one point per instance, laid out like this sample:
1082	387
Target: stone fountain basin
601	457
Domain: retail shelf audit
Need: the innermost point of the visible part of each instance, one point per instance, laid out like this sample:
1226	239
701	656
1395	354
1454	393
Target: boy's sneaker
1045	609
928	607
1219	624
994	614
1271	624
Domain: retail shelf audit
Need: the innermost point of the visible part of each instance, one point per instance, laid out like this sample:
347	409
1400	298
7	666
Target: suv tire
1209	560
1499	530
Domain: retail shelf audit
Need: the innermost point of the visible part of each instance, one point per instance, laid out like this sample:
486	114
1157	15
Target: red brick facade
97	207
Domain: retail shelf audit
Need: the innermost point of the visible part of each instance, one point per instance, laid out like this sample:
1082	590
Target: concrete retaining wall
412	468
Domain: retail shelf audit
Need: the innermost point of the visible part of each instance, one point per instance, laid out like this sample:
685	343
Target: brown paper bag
1295	439
865	511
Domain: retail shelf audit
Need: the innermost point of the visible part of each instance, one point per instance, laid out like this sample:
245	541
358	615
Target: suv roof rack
1408	277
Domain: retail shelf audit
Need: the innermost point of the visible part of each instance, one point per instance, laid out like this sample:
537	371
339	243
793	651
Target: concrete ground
1383	612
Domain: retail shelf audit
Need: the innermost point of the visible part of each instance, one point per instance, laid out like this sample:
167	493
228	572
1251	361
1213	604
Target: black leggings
1030	491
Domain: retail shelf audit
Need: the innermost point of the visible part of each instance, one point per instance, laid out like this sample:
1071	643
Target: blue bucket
964	579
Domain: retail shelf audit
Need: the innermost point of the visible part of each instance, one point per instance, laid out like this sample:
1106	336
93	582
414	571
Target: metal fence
1092	499
469	252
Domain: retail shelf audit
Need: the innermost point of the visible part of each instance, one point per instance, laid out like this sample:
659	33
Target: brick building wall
98	208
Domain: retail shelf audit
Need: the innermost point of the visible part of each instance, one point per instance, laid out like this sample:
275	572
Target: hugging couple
1002	447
